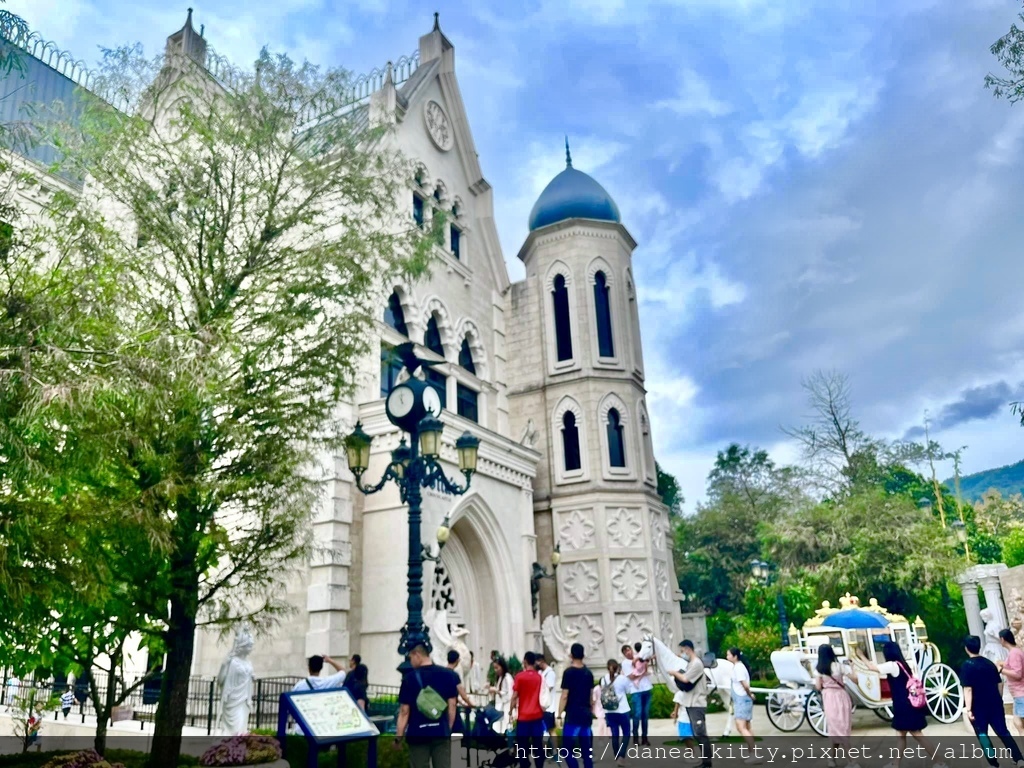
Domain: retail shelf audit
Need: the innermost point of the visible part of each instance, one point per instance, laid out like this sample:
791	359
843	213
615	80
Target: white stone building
548	372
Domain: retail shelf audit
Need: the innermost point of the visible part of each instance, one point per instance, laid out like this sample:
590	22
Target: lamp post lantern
764	573
414	407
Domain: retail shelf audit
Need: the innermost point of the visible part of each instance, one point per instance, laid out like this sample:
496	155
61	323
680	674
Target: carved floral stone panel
632	627
577	530
658	531
629	579
580	581
590	632
661	581
667	635
624	527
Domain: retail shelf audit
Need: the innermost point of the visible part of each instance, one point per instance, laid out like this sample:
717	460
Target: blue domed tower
572	194
576	394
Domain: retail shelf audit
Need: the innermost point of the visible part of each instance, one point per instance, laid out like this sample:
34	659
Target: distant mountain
1007	480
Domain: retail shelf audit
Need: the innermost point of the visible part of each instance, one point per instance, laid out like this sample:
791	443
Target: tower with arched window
579	378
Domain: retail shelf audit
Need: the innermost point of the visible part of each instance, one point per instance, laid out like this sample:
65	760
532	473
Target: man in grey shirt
694	686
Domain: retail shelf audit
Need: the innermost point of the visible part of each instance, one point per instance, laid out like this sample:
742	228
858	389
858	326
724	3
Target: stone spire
188	42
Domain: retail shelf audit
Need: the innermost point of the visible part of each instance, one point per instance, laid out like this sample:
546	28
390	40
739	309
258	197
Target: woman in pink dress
835	698
600	727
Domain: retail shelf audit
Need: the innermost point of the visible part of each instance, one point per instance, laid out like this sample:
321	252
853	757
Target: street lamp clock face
432	401
400	402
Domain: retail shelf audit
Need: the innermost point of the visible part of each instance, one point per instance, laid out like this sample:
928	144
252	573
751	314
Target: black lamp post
764	573
414	406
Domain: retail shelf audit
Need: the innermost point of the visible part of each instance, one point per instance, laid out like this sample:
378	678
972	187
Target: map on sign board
332	715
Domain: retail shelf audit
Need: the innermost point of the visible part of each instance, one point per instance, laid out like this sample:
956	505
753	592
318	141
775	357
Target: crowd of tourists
529	706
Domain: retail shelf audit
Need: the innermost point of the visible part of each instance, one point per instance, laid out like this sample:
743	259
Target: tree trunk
173	705
103	711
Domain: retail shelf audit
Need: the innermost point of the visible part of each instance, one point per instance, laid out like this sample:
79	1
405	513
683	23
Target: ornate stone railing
218	66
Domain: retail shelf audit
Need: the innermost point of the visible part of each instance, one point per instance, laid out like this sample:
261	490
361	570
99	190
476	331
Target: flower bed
87	758
245	750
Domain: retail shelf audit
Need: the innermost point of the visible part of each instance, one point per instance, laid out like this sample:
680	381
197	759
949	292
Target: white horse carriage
852	630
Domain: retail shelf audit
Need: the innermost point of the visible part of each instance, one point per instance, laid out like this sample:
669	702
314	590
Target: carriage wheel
943	692
815	708
785	709
885	713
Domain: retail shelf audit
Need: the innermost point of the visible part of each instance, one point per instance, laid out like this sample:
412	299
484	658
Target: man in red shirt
530	719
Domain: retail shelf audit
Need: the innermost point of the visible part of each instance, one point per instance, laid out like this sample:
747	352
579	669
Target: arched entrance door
475	583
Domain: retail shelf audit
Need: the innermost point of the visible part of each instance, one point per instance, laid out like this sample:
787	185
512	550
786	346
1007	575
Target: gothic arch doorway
474	583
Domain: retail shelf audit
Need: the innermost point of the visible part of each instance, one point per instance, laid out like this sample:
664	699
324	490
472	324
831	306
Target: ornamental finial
437	23
568	157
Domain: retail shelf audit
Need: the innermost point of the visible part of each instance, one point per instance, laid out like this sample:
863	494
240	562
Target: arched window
571	442
563	334
467	399
432	338
394	316
390	368
432	341
605	347
466	357
616	446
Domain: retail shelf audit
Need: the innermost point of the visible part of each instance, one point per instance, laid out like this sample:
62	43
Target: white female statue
992	650
235	680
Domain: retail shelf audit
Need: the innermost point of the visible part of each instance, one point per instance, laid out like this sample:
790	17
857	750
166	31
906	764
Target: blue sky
812	184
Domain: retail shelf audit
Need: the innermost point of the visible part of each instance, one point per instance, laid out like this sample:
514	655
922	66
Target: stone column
969	589
988	577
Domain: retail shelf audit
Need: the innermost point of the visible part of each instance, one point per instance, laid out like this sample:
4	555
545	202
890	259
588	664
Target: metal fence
203	705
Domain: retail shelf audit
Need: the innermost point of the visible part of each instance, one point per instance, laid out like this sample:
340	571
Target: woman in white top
616	685
742	699
502	690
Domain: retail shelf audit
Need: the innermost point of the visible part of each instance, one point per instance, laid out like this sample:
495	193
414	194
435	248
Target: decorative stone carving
658	531
667	635
624	528
580	581
1015	610
632	627
629	579
661	581
577	530
993	650
590	632
438	126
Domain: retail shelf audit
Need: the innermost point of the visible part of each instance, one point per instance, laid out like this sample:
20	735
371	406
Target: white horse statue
718	674
444	639
558	641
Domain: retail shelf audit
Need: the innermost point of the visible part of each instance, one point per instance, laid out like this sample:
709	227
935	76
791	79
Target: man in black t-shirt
578	708
430	744
983	700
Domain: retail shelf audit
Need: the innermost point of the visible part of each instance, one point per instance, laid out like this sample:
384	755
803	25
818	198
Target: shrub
87	758
247	749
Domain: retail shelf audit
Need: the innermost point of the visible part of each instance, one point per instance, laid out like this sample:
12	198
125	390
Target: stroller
482	736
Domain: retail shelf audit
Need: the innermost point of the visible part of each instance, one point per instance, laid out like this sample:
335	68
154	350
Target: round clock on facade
432	401
438	126
400	402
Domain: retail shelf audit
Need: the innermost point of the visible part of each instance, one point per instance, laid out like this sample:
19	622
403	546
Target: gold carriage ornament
854	630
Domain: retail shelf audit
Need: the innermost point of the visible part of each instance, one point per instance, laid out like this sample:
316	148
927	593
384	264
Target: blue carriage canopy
856	618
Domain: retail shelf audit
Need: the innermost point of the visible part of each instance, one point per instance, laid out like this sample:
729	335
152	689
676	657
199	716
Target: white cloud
694	97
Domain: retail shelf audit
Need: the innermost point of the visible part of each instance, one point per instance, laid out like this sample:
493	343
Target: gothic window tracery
571	442
616	444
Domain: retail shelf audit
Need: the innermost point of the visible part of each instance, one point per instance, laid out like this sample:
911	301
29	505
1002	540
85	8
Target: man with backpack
983	700
694	687
526	702
426	711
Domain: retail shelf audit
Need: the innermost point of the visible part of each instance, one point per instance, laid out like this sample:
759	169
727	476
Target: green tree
246	289
745	491
1009	52
877	544
669	491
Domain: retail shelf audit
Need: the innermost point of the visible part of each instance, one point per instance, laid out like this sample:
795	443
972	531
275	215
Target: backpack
915	690
429	702
545	694
609	698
